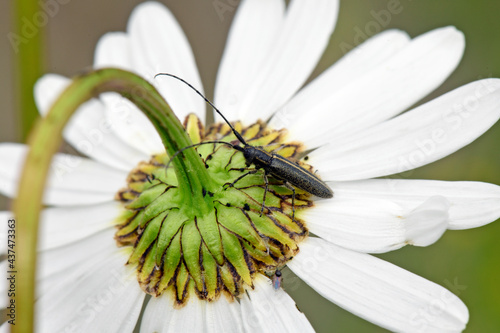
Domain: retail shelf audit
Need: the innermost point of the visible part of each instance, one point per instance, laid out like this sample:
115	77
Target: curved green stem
45	140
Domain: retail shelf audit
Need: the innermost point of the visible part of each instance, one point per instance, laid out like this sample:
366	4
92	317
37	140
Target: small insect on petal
277	277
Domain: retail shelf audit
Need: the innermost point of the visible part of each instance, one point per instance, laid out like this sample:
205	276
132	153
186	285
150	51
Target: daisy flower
116	238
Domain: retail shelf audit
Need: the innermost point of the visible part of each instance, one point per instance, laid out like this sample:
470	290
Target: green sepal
158	170
282	190
251	132
191	242
265	140
209	273
257	193
141	178
266	226
147	197
181	282
124	219
286	151
171	227
148	268
262	256
228	278
128	229
148	236
236	198
167	176
234	253
287	222
171	260
209	230
194	128
219	160
168	200
234	220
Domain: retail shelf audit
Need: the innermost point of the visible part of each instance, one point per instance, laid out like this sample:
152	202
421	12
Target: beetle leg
290	187
265	192
251	172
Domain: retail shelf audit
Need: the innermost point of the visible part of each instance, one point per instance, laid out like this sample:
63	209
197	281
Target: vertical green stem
45	140
26	42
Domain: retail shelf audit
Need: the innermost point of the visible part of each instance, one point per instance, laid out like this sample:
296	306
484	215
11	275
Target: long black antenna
199	144
238	136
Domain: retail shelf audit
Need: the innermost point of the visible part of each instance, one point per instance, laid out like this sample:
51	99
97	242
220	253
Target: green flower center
222	250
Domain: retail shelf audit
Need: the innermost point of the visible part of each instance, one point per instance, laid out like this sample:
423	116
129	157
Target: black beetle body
283	169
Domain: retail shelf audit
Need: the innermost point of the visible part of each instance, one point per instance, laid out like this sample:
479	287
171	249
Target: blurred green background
469	258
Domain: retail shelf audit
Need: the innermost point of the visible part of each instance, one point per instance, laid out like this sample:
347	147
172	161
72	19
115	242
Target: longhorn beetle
273	164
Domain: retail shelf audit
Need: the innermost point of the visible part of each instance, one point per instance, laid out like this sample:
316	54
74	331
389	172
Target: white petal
105	298
246	51
195	316
415	138
223	316
427	223
47	89
4	283
376	225
5	327
158	44
6	216
270	310
88	130
160	315
63	225
373	226
113	50
71	258
352	67
59	264
382	92
72	180
378	291
292	56
473	204
131	125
